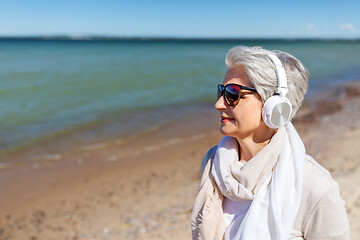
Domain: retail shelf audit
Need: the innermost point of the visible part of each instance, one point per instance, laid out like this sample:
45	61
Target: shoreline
52	148
145	188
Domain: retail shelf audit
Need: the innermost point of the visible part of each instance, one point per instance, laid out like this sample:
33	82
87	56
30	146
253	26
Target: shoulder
322	210
207	157
317	183
317	180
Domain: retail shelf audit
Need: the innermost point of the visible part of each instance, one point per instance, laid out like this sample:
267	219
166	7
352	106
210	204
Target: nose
220	104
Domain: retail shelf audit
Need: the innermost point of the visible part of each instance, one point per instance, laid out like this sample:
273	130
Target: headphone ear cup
276	111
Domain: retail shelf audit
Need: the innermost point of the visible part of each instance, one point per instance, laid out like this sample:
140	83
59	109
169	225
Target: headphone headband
280	74
277	109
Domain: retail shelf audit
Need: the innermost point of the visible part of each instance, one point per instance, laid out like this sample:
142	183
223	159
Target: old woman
258	182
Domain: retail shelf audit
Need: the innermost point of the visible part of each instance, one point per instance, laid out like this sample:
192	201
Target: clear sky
182	18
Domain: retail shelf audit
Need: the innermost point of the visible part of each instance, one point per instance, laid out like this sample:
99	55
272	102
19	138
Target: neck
253	143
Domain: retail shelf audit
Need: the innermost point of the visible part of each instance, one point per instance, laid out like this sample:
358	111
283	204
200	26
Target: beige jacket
322	213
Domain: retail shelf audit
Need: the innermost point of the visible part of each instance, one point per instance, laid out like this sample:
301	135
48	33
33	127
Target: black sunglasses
232	93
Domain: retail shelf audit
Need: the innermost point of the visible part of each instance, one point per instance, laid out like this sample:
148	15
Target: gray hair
262	74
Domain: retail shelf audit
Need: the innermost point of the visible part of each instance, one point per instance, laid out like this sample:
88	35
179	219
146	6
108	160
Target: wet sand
144	188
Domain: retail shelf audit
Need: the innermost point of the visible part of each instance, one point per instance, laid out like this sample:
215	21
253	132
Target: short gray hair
262	74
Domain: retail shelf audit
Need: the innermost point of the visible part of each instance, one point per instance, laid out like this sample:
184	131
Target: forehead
236	75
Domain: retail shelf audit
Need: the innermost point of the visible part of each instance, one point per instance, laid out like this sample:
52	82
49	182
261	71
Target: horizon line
73	37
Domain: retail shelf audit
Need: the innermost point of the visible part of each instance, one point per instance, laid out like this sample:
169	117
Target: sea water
51	88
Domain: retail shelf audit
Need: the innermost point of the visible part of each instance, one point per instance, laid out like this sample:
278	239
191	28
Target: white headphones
277	109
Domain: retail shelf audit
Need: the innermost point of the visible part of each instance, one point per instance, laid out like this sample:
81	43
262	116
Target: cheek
250	114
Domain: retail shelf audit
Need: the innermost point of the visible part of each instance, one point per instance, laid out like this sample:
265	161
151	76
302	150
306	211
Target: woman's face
244	119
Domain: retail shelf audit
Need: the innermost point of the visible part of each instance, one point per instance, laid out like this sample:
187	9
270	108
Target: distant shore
172	39
144	188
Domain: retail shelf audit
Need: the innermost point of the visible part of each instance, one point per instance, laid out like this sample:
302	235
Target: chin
232	131
228	131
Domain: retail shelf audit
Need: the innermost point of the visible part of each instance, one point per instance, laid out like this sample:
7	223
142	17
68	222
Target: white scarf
276	200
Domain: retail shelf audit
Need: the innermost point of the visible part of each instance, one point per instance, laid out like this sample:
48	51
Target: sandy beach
144	188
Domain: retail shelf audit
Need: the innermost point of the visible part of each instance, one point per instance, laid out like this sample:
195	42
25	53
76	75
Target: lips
226	119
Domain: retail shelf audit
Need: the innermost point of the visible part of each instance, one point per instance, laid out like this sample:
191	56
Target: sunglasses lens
232	94
220	90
